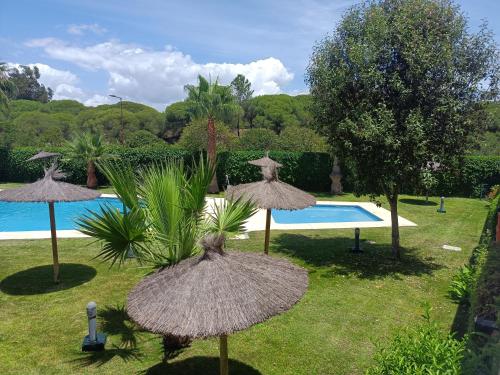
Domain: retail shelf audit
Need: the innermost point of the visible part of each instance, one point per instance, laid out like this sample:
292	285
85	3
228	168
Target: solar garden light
94	341
356	248
441	206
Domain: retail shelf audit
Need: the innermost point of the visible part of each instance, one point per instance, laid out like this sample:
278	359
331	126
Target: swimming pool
25	217
324	213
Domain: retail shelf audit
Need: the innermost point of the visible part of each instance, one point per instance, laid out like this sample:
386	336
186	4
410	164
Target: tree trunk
238	126
393	201
91	177
172	344
212	153
53	235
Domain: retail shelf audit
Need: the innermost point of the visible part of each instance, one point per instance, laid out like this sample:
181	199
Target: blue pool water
21	217
324	213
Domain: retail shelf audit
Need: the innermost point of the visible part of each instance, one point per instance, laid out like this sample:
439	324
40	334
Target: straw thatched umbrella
271	193
216	294
49	190
44	155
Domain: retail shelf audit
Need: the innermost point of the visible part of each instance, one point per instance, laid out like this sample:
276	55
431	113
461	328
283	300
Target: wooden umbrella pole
268	231
224	367
53	235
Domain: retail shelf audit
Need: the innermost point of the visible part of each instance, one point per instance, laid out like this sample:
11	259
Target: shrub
295	138
142	138
474	177
461	284
424	349
259	139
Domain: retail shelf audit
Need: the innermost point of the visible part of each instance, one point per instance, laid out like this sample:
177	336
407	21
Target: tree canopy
397	85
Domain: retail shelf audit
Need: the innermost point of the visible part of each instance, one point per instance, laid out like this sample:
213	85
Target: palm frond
123	180
119	232
230	216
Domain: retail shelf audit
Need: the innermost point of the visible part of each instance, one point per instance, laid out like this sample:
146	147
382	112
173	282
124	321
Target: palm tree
7	89
164	219
213	102
90	148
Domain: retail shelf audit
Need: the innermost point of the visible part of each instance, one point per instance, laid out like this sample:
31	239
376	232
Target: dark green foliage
305	170
32	123
422	350
483	356
176	118
276	112
259	139
142	138
25	79
473	177
16	168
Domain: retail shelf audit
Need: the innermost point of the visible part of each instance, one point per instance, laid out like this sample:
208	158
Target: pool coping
45	234
258	221
255	223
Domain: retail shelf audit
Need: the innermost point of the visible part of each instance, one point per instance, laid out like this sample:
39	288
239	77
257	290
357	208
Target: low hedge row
473	178
306	170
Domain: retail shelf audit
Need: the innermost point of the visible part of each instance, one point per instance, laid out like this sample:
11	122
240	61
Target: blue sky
148	50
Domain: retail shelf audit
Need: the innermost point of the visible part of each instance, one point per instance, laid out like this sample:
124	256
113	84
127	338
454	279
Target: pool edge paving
255	223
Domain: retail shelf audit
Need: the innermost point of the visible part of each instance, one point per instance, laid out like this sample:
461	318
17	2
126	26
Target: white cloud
84	28
157	77
65	85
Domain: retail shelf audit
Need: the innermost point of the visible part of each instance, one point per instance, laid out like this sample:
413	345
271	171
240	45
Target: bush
295	138
142	138
305	170
259	139
474	177
424	349
461	284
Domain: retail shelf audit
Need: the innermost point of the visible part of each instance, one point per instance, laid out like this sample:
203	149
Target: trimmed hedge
15	168
306	170
474	178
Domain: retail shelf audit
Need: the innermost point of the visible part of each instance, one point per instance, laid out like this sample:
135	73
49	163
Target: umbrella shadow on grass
199	365
418	202
39	280
375	262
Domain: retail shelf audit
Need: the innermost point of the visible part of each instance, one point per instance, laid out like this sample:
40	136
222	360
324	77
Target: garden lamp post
122	129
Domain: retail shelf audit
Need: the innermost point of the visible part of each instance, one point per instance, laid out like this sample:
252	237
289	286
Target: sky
147	51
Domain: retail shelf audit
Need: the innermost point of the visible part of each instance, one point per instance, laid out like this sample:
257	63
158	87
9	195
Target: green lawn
353	301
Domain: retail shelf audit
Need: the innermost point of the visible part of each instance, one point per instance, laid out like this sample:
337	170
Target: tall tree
211	101
26	79
396	86
7	89
242	91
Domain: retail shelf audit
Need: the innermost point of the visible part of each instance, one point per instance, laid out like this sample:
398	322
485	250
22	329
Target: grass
353	301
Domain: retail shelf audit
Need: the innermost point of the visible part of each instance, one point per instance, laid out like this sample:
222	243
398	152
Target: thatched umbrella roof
48	189
44	155
217	293
266	161
271	193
